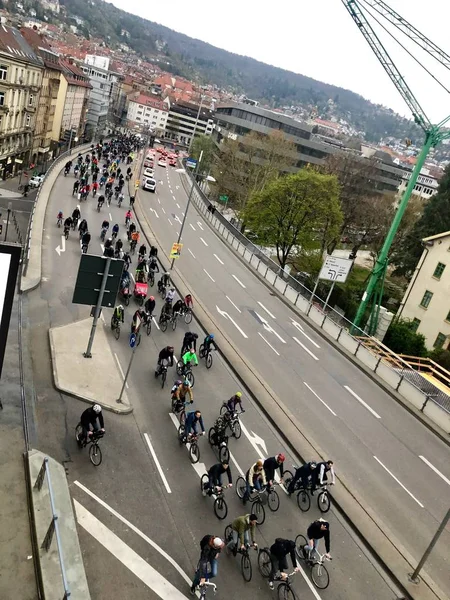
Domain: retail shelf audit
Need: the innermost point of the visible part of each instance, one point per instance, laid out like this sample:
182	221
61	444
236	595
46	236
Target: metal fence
405	380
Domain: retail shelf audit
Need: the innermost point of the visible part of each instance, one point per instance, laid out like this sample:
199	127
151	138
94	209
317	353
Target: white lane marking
136	530
177	233
177	218
156	214
239	282
268	343
191	253
305	348
169	220
177	203
399	482
102	246
159	201
221	262
192	227
200	225
182	214
267	327
227	316
126	555
266	309
319	398
110	216
102	317
155	322
162	208
369	408
157	463
427	462
61	248
209	276
238	468
300	329
230	300
203	241
120	368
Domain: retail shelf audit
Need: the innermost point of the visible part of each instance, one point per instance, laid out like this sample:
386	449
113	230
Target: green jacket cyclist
189	357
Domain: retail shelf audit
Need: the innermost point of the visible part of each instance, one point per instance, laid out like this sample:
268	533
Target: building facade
100	97
186	120
148	112
21	73
427	300
425	187
74	92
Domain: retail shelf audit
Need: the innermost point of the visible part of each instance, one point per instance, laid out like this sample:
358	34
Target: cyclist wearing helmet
303	473
210	548
233	401
255	478
189	341
182	390
164	281
89	421
208	342
271	464
188	357
167	355
150	305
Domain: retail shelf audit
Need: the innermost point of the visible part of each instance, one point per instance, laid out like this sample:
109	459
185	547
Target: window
425	302
2	98
27	120
439	270
415	324
3	72
440	340
30	100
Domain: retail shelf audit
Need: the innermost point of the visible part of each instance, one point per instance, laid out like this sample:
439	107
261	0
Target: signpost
333	269
133	341
176	250
191	163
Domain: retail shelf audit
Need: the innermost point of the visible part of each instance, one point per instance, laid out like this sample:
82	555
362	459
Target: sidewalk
17	576
9	188
95	379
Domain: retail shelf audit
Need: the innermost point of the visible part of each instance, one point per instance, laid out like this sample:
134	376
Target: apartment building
186	120
427	300
425	187
21	72
102	91
147	112
72	102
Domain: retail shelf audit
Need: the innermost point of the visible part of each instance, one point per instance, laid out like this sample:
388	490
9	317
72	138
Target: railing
401	377
53	528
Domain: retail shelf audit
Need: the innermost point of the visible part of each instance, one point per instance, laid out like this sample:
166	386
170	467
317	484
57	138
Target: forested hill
273	86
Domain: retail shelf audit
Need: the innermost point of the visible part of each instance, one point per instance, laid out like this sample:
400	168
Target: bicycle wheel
182	416
140	301
149	326
259	510
174	323
126	300
78	432
209	360
224	454
179	367
236	431
190	377
201	351
273	500
220	508
151	279
211	433
303	500
223	409
163	378
203	480
324	501
228	534
241	486
287	478
181	433
95	455
163	327
188	316
138	339
264	562
246	567
320	576
194	453
300	543
117	331
284	592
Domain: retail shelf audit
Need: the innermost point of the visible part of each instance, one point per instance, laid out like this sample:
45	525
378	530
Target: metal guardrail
303	298
53	527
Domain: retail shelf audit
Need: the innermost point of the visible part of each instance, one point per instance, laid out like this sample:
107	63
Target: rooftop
13	44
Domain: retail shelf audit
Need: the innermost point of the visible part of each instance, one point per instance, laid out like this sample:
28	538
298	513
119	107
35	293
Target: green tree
291	209
402	339
435	219
441	357
206	144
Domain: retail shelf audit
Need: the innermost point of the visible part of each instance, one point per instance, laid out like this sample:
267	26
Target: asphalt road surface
140	514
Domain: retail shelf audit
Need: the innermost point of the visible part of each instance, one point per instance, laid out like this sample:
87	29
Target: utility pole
98	308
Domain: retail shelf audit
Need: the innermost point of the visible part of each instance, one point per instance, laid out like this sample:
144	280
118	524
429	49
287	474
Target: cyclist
120	199
192	418
82	227
109	251
127	261
68	223
153	251
128	216
105	224
115	230
233	402
89	422
76	185
278	553
167	355
164	281
316	531
217	433
188	357
177	307
208	342
254	478
182	390
85	239
189	341
94	186
243	527
304	473
273	463
188	301
59	218
210	548
142	252
76	215
118	314
150	306
320	474
131	230
215	477
118	248
153	264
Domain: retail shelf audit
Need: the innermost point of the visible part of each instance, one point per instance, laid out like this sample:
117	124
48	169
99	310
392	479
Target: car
149	184
36	181
149	173
172	162
162	162
149	163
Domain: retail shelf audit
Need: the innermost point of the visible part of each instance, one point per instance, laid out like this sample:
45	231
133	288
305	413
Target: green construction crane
434	134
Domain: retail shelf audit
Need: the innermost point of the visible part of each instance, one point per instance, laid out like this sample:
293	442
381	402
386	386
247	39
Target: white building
427	300
425	187
99	62
149	112
102	82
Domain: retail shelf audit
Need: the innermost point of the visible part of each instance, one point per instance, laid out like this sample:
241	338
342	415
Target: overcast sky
317	38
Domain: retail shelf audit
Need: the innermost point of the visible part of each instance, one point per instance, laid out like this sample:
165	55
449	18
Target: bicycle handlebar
211	584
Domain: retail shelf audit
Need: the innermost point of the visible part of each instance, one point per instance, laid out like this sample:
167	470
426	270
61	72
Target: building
99	62
427	300
72	105
21	73
148	112
425	187
102	91
186	120
44	144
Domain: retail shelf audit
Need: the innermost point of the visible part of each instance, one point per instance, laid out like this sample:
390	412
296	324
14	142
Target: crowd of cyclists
108	181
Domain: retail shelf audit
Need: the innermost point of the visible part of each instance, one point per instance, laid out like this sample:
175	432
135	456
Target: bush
402	339
441	357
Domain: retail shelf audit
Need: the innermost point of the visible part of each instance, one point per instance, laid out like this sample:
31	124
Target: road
143	504
399	467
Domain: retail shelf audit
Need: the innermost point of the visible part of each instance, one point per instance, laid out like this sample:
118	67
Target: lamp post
7	219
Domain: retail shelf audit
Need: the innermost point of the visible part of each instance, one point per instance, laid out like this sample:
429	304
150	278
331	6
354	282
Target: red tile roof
149	101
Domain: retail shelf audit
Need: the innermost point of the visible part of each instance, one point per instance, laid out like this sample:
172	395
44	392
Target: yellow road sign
176	250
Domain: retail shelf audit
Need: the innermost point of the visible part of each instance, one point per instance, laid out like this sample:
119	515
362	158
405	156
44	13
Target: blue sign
191	163
132	340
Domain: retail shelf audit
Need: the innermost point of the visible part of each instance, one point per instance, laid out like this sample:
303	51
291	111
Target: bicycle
220	506
187	313
203	588
246	563
303	497
66	231
59	221
74	223
84	248
185	370
257	507
232	419
163	323
206	355
284	588
95	453
219	441
191	443
148	323
115	326
133	245
314	560
151	278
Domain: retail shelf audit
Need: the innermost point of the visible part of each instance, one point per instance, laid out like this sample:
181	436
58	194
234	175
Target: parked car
36	181
149	184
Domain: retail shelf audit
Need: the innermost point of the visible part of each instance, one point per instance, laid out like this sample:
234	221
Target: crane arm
388	64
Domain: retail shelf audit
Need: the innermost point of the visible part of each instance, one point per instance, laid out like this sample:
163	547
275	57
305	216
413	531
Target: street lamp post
7	219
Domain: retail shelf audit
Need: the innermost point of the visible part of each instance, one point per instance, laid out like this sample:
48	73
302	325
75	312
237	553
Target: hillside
271	85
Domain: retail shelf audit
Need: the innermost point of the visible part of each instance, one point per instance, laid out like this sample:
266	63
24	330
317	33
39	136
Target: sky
318	38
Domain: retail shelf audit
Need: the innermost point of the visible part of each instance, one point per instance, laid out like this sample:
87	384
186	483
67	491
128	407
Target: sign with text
176	250
9	267
191	163
335	268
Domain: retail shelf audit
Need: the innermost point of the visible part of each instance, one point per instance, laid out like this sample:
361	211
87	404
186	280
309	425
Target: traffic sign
223	198
132	340
191	163
335	268
176	250
89	280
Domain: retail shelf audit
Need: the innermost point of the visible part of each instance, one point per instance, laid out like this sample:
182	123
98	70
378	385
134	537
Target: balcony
30	109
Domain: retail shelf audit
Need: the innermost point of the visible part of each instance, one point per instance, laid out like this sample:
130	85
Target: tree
246	165
290	211
435	219
441	357
206	144
401	338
